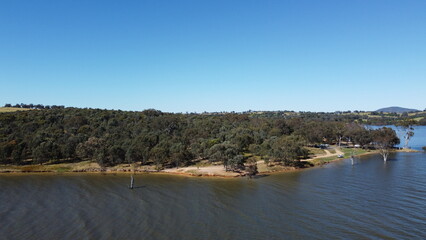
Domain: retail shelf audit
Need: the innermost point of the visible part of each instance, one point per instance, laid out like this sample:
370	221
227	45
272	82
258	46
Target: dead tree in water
130	156
132	181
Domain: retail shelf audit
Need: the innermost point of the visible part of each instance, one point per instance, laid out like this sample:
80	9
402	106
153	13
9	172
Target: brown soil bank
200	171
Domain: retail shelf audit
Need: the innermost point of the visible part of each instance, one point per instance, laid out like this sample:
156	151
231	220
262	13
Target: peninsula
59	139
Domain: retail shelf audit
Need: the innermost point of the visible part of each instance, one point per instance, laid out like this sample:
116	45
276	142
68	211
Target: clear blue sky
219	55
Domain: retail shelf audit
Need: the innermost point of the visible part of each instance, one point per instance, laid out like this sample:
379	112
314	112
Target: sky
221	55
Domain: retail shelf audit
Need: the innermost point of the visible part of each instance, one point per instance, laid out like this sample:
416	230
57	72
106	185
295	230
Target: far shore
215	171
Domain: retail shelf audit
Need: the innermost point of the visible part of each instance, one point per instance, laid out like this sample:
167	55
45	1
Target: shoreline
200	172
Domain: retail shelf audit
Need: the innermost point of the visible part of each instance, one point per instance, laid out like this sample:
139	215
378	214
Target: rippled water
370	200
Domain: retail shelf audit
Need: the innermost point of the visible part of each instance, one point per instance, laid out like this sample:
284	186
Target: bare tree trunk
385	154
407	138
132	181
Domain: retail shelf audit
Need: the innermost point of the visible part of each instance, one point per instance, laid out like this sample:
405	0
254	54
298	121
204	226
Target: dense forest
153	137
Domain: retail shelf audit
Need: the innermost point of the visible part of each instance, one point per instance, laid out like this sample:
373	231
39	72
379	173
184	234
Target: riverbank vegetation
165	140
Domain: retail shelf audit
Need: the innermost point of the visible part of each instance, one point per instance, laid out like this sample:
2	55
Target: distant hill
396	110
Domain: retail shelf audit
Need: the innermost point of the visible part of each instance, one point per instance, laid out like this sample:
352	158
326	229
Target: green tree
236	163
159	154
180	154
384	140
41	153
223	152
359	135
288	150
251	167
89	148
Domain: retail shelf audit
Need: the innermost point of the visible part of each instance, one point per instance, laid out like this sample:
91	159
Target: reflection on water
371	199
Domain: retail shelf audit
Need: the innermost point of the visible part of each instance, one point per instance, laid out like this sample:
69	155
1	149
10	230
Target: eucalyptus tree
288	150
251	167
224	153
406	127
384	140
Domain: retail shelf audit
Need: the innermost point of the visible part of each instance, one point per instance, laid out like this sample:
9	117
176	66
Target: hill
396	110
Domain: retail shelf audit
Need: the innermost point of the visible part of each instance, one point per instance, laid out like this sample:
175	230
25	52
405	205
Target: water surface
370	200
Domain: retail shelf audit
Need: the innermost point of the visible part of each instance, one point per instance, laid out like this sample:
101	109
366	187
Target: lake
416	142
369	200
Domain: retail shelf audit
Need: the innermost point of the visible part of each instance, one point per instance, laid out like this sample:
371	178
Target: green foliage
236	163
224	153
288	150
251	167
167	140
385	137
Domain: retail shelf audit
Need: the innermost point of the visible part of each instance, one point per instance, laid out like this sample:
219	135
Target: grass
418	118
320	161
353	151
62	169
416	113
33	168
12	109
315	151
347	151
51	167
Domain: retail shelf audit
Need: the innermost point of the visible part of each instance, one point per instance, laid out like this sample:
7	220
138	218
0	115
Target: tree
406	126
180	154
6	150
251	167
116	155
17	154
89	148
100	157
133	154
339	129
223	152
46	151
242	138
69	148
384	140
236	163
359	135
160	153
288	150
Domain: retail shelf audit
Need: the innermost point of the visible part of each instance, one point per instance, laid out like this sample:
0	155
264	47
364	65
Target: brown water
370	200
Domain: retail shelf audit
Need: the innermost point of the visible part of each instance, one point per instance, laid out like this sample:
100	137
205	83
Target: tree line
152	137
33	106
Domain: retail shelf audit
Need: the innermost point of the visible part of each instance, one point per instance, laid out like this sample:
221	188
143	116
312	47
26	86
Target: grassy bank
12	109
200	169
348	152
